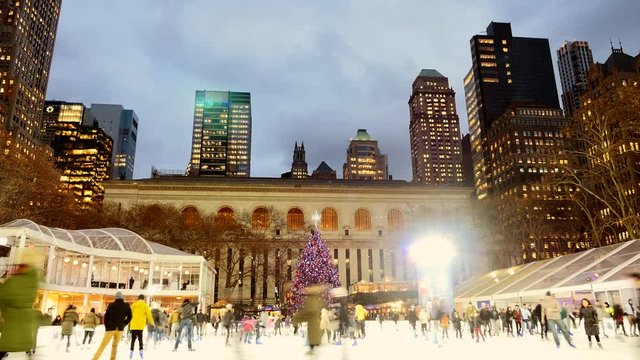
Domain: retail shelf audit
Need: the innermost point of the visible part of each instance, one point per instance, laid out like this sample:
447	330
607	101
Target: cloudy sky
317	70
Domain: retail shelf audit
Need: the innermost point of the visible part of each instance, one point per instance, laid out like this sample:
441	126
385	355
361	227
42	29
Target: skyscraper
122	126
505	69
467	162
526	145
434	131
221	144
81	149
574	60
27	37
364	160
299	167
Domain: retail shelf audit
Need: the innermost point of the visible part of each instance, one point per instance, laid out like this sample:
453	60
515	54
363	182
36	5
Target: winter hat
119	295
141	297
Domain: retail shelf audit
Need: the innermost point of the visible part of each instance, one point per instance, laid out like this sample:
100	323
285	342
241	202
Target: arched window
260	218
225	216
363	219
395	220
190	215
329	219
295	219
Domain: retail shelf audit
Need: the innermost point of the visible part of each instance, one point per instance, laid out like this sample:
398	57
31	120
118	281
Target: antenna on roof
620	42
611	42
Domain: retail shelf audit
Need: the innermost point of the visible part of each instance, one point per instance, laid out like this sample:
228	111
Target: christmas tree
315	268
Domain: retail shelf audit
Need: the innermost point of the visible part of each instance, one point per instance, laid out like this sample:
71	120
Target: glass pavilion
87	267
604	273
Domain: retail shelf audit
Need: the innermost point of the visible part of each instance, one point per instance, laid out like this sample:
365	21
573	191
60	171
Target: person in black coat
590	318
118	316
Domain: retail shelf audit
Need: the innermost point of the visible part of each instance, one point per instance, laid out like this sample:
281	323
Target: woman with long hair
590	317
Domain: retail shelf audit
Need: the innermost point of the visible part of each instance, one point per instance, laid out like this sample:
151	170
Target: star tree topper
316	218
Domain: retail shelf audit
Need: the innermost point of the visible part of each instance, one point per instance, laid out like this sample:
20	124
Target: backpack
563	313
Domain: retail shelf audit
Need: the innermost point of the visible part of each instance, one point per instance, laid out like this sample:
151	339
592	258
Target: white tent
604	273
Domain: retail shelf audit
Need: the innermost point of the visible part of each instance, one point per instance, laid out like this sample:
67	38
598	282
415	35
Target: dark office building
81	149
505	69
467	162
525	145
323	172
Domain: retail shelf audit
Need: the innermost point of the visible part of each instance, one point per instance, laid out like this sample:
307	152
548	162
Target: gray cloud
317	71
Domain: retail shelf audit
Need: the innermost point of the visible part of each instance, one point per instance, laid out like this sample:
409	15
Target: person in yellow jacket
361	316
140	317
174	321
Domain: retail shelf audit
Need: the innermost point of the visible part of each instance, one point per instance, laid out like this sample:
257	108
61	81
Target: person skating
424	321
457	323
444	324
526	318
159	319
630	313
361	316
590	317
310	313
325	323
116	318
200	323
618	316
89	322
413	319
187	315
227	320
517	318
485	318
602	314
17	295
477	327
140	317
69	320
495	321
174	323
551	310
469	313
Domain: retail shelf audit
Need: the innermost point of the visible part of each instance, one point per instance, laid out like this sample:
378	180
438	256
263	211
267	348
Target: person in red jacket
517	317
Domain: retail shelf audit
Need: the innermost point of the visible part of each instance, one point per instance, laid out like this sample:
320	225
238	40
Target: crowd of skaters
548	315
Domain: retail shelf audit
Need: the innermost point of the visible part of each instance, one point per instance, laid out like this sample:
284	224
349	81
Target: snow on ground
380	343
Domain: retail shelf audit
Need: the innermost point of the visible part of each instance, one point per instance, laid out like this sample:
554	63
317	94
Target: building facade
526	145
504	69
81	149
368	226
122	126
434	131
221	144
299	167
323	172
574	60
610	143
467	161
364	160
27	37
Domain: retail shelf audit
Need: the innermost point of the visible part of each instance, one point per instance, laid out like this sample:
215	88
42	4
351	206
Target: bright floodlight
434	251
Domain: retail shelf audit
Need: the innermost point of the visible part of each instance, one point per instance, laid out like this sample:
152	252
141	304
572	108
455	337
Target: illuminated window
295	219
225	216
395	220
260	218
329	220
363	219
190	215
